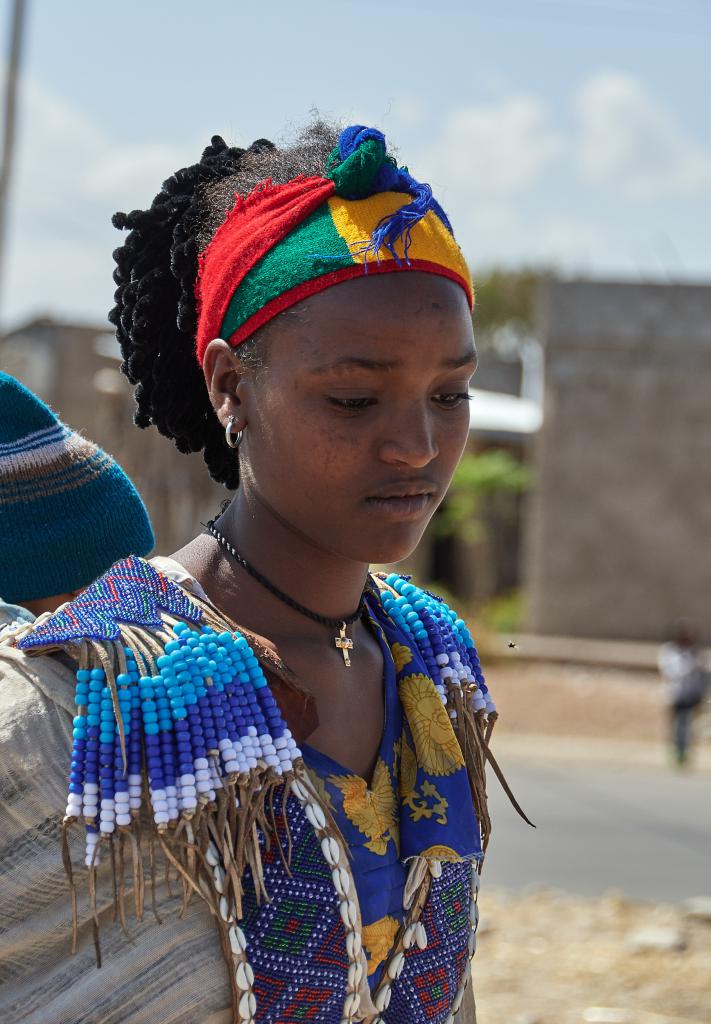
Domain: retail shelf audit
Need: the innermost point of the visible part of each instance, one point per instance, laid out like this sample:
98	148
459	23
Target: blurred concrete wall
619	527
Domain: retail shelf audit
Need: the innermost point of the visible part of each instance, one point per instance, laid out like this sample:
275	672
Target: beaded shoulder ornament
175	719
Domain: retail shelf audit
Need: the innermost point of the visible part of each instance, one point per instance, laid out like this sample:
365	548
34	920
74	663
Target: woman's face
354	427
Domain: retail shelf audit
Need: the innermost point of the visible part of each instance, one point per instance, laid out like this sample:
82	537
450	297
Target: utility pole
10	110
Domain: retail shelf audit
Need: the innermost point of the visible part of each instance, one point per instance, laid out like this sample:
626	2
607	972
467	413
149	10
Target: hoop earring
233	440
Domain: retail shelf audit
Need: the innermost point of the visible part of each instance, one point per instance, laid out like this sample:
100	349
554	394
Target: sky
571	135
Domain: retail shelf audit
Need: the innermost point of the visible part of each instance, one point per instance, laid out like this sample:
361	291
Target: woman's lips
401	507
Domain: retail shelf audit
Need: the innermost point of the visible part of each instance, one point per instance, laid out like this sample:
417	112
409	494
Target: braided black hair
156	269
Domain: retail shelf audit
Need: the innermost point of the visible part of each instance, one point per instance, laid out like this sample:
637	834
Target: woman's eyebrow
468	358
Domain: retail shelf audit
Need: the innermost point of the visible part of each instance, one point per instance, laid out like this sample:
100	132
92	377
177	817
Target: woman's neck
322	581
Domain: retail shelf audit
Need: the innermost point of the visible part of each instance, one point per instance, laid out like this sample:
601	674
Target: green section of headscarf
354	176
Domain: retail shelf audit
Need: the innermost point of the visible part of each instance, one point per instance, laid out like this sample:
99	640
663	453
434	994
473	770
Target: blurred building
75	368
620	520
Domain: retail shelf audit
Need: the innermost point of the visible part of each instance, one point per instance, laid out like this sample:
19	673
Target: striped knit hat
67	510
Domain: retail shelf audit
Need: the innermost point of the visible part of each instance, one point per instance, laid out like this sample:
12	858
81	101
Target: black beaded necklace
342	642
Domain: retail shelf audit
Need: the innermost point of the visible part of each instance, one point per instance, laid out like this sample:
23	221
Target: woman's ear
224	377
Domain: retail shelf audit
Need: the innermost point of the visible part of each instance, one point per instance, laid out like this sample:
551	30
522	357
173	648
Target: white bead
272	760
420	935
354	945
224	743
341	881
74	800
189	803
135	791
187	780
135	779
160	805
281	743
201	763
201	774
123	819
107	804
442	659
396	965
244	976
188	791
251	730
93	787
232	766
161	817
121	799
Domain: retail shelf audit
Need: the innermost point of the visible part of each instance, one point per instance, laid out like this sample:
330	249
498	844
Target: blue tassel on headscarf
391	178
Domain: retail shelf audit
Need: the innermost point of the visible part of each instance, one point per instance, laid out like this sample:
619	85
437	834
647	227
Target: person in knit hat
67	510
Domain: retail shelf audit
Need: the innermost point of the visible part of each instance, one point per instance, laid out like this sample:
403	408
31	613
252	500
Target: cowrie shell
224	909
472	944
315	815
212	856
355	975
218	877
396	965
247	1006
244	976
420	935
436	868
409	936
341	881
351	1004
458	1000
354	944
382	999
331	853
474	913
349	915
298	790
238	943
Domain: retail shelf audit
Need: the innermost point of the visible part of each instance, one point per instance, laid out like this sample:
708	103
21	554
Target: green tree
477	479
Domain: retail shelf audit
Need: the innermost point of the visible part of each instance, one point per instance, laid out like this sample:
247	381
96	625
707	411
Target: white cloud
629	140
493	149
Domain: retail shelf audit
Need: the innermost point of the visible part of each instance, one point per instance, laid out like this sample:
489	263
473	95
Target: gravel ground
546	957
549	958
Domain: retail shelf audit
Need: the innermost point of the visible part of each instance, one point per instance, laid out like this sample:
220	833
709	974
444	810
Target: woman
307	738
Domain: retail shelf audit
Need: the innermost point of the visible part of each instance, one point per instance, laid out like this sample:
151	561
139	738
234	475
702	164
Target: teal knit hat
67	510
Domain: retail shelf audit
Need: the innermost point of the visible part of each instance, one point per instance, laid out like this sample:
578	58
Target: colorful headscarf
283	243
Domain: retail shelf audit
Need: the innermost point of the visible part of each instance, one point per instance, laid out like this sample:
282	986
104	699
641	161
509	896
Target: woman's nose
409	439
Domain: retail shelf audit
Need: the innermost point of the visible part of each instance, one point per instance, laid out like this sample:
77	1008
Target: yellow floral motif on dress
378	939
441	853
427	803
438	751
408	767
402	656
373	811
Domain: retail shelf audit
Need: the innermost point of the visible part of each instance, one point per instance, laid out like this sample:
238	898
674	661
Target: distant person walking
686	682
67	510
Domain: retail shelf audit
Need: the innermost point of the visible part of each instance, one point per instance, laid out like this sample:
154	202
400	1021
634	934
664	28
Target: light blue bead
151	729
83	675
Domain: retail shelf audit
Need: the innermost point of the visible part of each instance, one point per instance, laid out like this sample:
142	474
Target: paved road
646	832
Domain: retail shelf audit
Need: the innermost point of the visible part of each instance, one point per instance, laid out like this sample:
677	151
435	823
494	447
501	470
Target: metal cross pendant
344	645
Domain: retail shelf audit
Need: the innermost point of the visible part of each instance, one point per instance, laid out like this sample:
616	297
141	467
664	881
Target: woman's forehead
376	318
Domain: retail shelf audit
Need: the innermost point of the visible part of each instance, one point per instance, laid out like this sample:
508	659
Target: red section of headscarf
253	226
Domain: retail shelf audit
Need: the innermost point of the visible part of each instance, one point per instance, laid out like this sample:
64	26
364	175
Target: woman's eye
351	404
450	400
